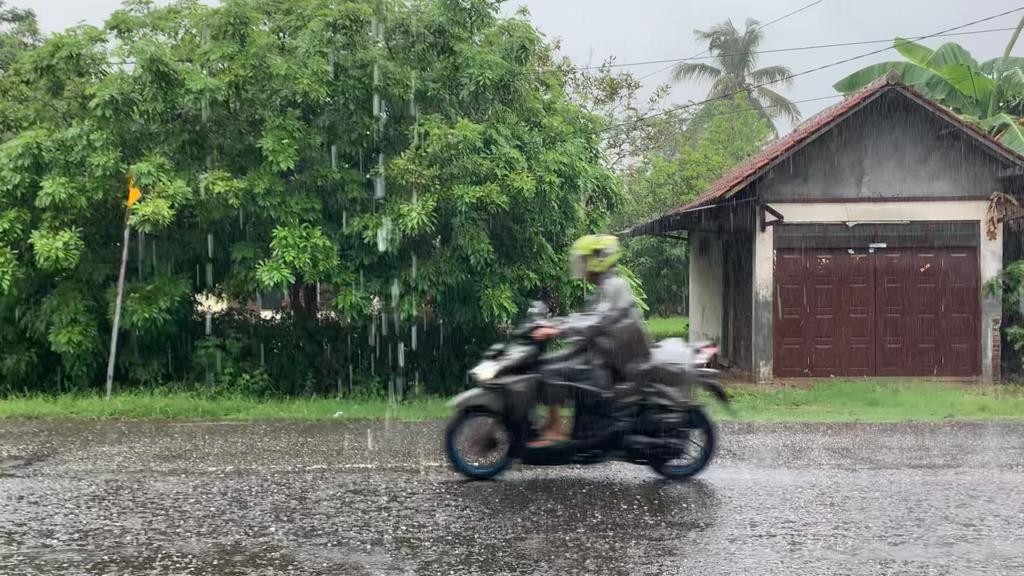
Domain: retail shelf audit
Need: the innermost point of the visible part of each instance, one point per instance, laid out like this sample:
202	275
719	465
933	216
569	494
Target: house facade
859	245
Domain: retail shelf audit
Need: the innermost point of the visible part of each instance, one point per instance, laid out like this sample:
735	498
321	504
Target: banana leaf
1007	129
1001	65
1013	137
996	122
967	81
952	53
867	75
917	53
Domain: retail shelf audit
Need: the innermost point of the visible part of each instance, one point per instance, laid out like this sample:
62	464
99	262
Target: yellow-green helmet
594	253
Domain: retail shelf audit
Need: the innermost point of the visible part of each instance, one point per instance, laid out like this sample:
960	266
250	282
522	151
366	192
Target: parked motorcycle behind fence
650	417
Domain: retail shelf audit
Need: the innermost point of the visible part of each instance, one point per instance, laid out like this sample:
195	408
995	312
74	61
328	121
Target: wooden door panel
924	299
858	323
825	309
789	311
961	332
890	312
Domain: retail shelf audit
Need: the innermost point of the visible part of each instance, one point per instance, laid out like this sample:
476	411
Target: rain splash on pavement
367	499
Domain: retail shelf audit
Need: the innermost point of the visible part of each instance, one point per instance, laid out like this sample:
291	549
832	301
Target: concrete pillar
762	322
991	255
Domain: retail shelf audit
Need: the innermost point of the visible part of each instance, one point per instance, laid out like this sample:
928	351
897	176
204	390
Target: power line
659	71
808	71
708	50
791	49
834	96
784	16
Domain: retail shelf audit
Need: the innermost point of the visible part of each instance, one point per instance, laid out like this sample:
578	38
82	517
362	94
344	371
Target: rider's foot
548	438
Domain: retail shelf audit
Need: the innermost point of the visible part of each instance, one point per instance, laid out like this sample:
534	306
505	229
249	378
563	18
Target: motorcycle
650	417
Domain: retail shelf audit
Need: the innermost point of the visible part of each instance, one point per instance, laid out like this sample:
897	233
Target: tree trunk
303	300
994	97
111	360
1013	39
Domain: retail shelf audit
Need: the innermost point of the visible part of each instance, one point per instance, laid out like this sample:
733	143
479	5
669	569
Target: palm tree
736	57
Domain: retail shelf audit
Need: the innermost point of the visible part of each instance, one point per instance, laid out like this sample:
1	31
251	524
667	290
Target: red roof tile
776	150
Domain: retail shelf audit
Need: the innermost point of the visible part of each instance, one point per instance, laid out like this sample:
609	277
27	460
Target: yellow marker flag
133	193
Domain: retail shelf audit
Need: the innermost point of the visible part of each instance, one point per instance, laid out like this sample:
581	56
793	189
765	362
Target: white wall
991	254
764	276
706	294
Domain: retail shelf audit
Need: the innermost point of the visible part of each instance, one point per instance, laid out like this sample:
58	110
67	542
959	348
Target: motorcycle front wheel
477	443
698	440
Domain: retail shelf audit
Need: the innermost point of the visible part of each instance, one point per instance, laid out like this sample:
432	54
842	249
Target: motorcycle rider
611	325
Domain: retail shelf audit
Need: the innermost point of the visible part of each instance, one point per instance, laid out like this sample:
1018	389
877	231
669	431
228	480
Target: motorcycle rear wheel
478	428
700	446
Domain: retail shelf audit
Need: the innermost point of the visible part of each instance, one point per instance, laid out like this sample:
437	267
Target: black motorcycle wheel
477	443
699	440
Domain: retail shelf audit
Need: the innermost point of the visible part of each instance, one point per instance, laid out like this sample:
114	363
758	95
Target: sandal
547	441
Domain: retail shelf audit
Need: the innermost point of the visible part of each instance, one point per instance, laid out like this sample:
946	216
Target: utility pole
133	196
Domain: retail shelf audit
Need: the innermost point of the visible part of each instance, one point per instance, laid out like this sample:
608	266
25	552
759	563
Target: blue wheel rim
459	460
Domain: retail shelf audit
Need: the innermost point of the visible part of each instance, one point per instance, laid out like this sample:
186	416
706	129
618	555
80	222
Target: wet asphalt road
139	498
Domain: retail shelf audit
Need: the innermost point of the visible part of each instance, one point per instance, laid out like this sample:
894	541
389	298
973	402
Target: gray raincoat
611	335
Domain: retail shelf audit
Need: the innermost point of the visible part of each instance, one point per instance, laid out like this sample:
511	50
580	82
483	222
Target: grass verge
827	401
670	327
184	406
874	401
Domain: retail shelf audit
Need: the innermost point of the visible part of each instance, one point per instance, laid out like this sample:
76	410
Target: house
858	245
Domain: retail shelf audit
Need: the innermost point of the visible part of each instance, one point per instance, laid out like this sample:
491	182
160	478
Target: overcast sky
637	30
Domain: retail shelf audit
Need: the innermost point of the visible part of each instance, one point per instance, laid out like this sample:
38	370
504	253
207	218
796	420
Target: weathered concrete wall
705	287
892	148
764	291
990	254
991	307
737	282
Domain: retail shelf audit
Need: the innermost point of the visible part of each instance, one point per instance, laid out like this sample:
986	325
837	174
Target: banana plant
988	94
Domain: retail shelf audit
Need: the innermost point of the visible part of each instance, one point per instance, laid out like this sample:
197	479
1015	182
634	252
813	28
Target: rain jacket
612	324
606	306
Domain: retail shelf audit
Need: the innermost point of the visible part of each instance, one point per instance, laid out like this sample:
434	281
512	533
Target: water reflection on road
109	498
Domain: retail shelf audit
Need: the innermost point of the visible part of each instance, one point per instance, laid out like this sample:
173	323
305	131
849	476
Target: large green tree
735	70
423	155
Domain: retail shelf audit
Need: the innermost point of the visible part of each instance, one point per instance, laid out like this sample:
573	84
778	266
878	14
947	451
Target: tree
19	31
722	134
989	94
736	72
435	165
632	127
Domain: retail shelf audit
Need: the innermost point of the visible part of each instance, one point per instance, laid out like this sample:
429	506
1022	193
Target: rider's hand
545	332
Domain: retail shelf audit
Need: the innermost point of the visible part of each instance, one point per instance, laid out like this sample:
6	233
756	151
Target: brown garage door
891	312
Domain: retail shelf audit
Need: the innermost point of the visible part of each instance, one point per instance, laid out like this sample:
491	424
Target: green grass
875	401
671	327
826	401
184	406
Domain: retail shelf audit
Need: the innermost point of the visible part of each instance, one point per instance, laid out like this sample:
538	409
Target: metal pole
117	313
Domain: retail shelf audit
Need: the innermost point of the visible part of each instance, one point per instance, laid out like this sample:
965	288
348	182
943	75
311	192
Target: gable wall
892	148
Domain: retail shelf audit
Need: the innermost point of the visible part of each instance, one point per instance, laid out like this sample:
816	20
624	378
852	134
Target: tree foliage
663	158
19	31
720	135
424	155
633	126
735	54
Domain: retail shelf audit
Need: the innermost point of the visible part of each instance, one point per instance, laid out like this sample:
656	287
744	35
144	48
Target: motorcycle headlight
485	371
